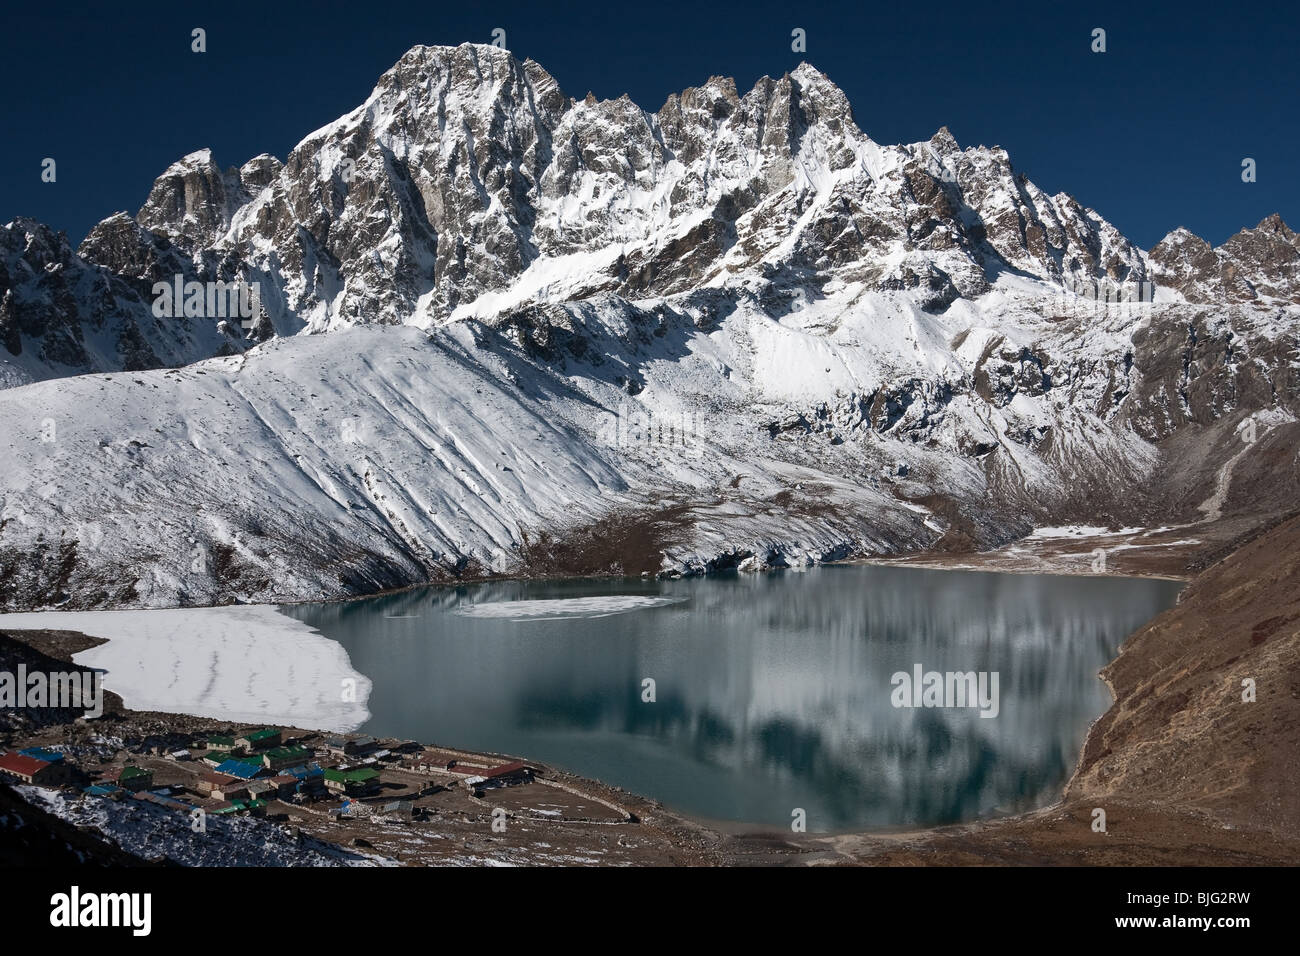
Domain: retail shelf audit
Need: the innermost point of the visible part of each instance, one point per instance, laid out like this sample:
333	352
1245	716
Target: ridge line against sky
1151	133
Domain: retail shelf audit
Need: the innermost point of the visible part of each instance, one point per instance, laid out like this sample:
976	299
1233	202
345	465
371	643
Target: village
148	787
354	791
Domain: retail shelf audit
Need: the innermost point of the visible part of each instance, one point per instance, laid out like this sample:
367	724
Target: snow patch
560	609
245	663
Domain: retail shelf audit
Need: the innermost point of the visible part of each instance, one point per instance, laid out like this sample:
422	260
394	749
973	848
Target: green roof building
278	758
135	778
257	739
352	781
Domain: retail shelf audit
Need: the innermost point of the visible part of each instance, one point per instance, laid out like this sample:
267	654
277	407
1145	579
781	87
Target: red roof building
31	770
504	774
208	782
505	770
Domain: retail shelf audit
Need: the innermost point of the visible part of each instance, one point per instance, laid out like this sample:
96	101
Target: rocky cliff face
1255	265
469	181
62	313
914	343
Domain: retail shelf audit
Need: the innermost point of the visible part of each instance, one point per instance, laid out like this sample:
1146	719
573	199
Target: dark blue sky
1151	133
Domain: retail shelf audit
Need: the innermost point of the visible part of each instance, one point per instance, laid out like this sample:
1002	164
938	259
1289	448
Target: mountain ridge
823	347
270	223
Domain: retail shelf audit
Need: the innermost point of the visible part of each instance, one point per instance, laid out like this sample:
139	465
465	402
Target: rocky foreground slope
502	330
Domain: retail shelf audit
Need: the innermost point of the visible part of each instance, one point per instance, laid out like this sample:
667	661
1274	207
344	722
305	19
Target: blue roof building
41	753
162	801
239	769
305	772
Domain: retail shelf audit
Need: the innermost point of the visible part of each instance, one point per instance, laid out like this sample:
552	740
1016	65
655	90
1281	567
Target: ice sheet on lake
562	608
246	663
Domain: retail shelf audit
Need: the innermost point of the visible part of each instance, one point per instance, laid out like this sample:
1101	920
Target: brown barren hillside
1187	772
1180	734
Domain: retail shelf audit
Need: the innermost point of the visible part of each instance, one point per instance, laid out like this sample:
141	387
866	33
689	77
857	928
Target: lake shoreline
1169	828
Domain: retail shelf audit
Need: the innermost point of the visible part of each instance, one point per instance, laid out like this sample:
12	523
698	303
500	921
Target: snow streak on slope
374	458
326	465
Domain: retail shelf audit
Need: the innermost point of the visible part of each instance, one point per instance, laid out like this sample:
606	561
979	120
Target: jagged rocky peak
126	248
1270	262
820	100
581	143
60	315
194	201
468	183
686	114
1274	225
545	89
465	166
1181	255
944	143
426	187
1254	264
259	172
31	242
799	103
439	93
757	135
1179	238
1271	249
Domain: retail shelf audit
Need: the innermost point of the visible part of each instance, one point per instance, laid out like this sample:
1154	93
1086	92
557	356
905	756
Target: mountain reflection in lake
772	691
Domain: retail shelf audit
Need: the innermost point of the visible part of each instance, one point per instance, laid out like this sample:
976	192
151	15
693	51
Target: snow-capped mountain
1259	263
736	330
